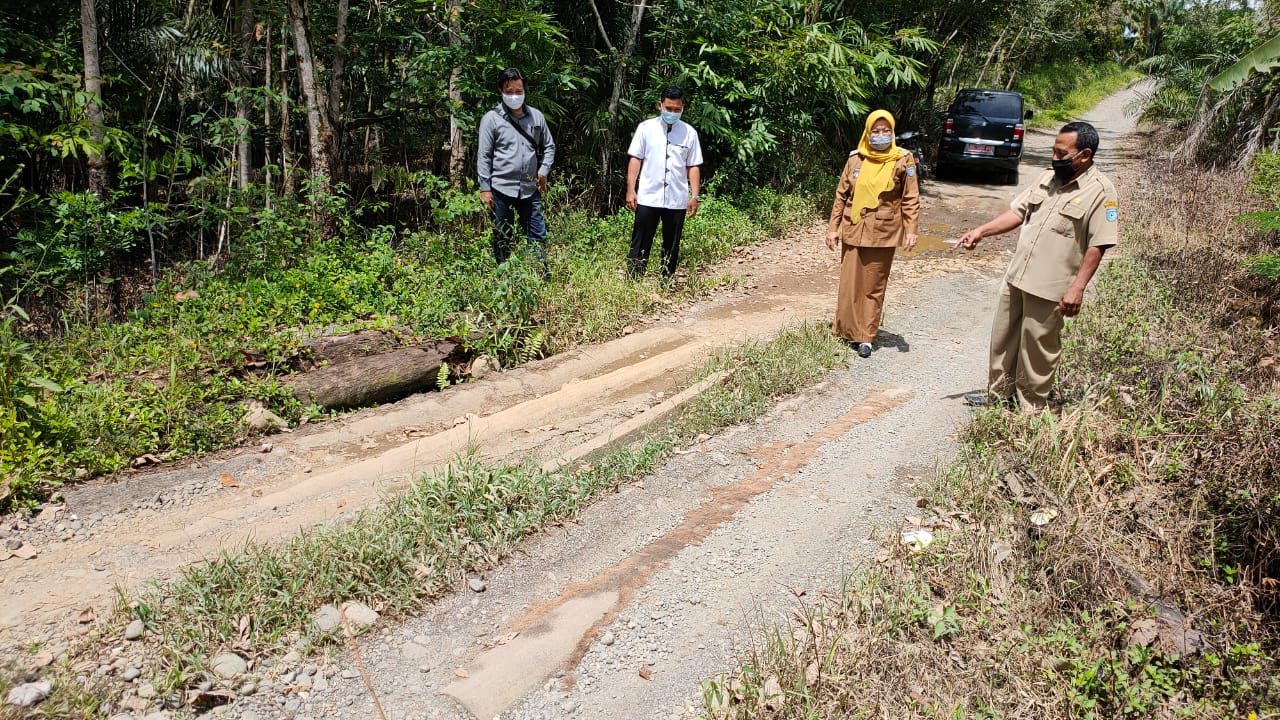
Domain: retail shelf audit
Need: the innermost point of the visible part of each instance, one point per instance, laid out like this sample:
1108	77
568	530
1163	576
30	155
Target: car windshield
990	104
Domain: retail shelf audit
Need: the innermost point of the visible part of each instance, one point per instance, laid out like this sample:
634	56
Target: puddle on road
932	238
496	678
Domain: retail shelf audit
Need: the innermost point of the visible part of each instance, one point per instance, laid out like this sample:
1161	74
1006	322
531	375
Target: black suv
983	129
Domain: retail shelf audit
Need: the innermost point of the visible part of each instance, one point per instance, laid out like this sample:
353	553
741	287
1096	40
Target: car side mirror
1028	115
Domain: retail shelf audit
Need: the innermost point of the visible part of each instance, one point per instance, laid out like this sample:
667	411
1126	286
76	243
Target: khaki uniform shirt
883	226
1059	223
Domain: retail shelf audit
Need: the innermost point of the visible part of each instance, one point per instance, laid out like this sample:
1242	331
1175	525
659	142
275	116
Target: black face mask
1063	169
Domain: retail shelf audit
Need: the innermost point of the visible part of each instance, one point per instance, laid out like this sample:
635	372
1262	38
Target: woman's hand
833	240
908	241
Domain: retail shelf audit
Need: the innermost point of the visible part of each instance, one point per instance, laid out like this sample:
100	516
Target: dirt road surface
668	575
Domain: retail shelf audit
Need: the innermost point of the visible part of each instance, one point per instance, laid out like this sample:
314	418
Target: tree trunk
244	140
377	378
319	127
619	77
336	79
457	144
97	155
286	135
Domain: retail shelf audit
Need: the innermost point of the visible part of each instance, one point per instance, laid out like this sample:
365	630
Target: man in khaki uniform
1068	219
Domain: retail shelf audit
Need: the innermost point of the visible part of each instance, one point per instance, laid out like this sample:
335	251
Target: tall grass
1058	94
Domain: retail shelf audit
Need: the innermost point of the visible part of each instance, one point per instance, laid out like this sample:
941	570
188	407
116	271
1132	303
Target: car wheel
1011	177
942	171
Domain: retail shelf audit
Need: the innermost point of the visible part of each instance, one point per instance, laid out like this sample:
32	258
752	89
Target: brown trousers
864	275
1026	344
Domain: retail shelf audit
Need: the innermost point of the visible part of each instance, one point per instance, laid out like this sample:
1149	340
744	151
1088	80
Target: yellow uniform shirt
1059	223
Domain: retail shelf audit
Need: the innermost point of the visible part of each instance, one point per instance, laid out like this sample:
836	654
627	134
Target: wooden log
335	349
374	379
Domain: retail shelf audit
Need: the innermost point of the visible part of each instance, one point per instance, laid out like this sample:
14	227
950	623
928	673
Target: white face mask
880	142
515	102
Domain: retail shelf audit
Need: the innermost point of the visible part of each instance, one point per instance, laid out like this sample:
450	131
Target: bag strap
538	150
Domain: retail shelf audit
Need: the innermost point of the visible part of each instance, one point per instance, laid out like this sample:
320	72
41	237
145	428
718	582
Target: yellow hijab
876	175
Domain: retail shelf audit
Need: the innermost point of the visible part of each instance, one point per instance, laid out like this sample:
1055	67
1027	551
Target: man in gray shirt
514	156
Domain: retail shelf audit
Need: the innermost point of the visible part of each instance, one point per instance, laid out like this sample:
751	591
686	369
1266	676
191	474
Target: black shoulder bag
538	149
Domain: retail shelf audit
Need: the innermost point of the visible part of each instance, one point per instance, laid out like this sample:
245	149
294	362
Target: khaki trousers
864	275
1026	344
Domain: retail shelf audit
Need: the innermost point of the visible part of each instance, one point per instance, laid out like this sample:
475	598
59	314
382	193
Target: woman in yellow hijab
877	209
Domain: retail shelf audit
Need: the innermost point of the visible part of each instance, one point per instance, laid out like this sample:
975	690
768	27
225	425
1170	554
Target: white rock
326	618
476	585
608	639
229	665
483	365
146	691
134	630
29	694
359	614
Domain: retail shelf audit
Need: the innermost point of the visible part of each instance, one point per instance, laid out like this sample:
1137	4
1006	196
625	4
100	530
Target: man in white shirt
665	160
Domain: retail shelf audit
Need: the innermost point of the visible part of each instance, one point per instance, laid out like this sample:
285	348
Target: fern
1265	266
532	348
442	377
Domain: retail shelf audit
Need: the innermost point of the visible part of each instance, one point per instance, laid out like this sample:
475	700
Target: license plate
980	149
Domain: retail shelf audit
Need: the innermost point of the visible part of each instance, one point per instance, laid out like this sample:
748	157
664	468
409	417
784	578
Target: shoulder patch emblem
1112	213
911	171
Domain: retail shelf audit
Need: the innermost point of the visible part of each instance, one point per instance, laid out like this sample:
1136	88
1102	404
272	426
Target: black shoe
864	350
982	398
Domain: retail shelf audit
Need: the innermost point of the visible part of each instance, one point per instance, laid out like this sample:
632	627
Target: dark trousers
642	232
532	226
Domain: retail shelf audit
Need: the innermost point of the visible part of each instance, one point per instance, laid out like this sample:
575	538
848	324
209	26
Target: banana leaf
1264	58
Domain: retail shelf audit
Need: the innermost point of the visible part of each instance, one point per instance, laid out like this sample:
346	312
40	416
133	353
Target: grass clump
1118	559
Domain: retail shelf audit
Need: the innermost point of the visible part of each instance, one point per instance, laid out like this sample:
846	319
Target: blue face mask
670	118
880	142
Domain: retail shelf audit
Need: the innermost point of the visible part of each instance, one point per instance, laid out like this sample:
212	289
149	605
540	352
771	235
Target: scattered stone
484	365
477	585
608	639
292	705
29	694
292	656
258	417
146	691
319	684
130	674
310	670
229	665
350	674
134	630
12	544
358	614
248	689
326	618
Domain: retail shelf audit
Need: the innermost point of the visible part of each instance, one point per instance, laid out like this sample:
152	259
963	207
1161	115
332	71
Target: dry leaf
646	672
205	699
811	674
144	460
228	480
422	571
256	492
460	672
49	513
798	592
914	520
341	504
501	640
182	295
87	616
